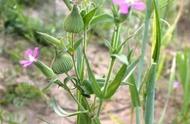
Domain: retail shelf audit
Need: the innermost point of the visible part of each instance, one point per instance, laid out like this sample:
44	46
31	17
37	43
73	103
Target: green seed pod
62	64
48	72
73	23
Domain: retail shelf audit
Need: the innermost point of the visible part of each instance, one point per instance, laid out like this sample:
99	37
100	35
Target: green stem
73	57
144	43
99	108
76	100
115	40
108	76
115	45
68	90
138	113
106	84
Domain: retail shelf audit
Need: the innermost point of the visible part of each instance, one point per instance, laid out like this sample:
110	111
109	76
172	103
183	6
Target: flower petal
36	52
176	85
139	5
118	2
25	63
124	8
28	52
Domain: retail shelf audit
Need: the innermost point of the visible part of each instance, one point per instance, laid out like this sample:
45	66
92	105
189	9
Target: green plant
15	21
75	45
20	94
11	118
183	73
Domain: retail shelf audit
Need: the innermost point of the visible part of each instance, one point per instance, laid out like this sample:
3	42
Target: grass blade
149	102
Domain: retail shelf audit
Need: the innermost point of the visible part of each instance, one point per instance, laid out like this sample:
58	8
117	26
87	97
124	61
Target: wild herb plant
17	22
70	54
20	94
183	73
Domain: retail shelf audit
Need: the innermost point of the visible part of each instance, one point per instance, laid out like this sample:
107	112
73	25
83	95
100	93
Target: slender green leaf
80	62
104	18
130	69
134	92
77	43
114	85
156	52
122	58
183	65
150	95
95	86
88	17
144	42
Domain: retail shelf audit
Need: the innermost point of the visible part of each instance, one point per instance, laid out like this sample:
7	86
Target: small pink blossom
30	56
176	85
124	5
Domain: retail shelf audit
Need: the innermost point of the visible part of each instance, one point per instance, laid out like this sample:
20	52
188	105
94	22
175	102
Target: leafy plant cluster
70	53
16	21
20	94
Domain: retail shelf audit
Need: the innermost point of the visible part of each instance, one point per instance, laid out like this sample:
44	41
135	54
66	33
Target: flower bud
47	71
74	22
62	64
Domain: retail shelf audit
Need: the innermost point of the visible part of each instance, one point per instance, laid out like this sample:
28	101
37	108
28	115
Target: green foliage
88	18
21	94
183	65
151	82
114	85
150	95
15	21
95	87
11	118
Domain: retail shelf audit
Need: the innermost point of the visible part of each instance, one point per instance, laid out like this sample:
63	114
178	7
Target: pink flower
176	85
124	5
30	56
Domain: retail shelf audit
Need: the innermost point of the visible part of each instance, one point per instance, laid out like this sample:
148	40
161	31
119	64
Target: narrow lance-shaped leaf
95	87
150	95
134	92
133	87
183	64
88	17
130	69
104	18
122	58
149	103
77	43
145	42
80	62
157	47
114	85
